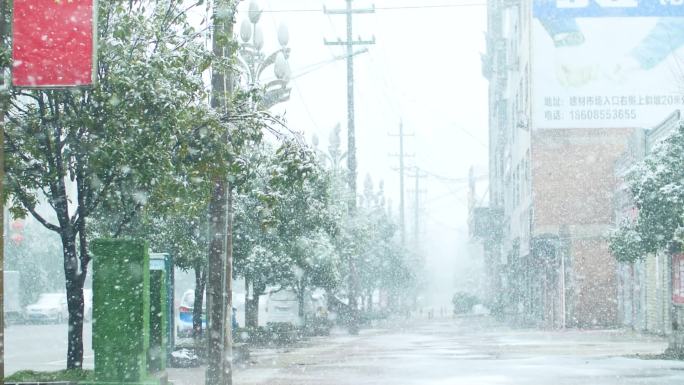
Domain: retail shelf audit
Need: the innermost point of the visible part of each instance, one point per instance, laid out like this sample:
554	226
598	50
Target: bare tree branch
26	202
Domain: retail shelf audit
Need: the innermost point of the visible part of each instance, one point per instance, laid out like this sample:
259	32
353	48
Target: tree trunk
255	308
216	284
228	294
353	300
74	292
300	300
251	315
390	300
257	291
200	283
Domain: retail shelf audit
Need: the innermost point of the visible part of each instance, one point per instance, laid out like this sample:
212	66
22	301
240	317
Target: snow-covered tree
657	187
271	216
85	149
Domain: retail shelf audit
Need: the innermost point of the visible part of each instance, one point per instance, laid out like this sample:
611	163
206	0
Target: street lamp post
254	62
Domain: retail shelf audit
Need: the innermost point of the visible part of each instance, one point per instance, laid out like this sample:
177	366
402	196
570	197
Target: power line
388	8
349	43
443	224
381	80
306	106
449	194
476	139
299	91
332	25
401	155
452	179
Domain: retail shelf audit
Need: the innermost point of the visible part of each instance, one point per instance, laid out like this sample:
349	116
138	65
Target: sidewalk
187	376
264	360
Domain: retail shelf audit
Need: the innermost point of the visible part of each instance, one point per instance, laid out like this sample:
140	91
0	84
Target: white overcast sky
423	70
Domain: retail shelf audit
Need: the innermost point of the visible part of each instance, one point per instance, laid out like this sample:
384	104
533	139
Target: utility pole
416	205
219	349
349	12
418	258
402	172
349	43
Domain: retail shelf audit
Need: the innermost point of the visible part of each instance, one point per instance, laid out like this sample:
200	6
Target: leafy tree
284	204
657	187
316	266
369	237
383	265
84	149
35	255
182	232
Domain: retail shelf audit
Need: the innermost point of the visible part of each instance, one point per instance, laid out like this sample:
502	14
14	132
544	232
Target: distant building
644	287
561	114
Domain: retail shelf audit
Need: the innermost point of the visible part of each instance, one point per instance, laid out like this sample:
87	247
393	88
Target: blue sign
608	8
157	264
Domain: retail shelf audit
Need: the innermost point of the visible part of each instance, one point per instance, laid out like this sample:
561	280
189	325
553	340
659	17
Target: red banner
53	43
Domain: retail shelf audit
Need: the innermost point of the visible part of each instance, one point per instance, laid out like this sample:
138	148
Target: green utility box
121	310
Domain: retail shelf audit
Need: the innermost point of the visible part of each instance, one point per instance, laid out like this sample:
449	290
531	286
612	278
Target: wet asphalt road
468	351
42	347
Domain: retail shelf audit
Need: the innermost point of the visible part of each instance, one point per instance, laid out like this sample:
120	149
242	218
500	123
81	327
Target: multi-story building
506	65
645	286
562	109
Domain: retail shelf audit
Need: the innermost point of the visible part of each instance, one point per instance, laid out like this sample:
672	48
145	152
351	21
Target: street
42	347
274	168
469	351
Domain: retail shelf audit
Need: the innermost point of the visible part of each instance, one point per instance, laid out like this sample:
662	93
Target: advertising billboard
53	43
606	63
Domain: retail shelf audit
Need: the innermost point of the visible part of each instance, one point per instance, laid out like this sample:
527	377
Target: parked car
463	302
12	304
317	319
185	310
282	307
50	307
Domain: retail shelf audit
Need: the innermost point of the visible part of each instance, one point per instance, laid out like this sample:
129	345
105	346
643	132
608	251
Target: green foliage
99	156
657	187
5	22
32	376
463	302
679	234
626	244
282	207
38	259
292	228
